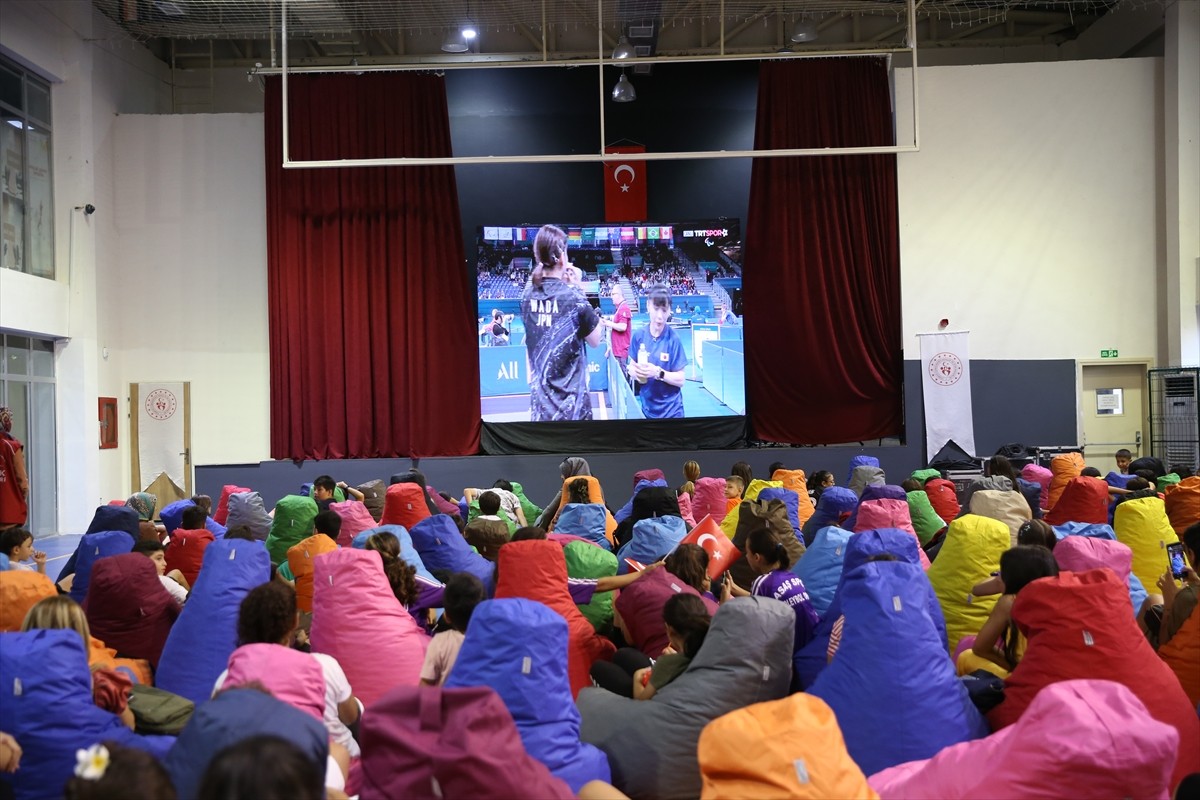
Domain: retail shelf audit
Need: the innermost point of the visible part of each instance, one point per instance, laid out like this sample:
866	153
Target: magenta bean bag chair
709	499
1042	477
356	518
874	515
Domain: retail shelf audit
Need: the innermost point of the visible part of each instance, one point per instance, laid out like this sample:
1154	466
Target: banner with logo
161	432
624	186
946	386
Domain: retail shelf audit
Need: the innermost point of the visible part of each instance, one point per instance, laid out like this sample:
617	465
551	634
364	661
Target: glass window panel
12	194
39	101
10	88
38	207
16	356
41	358
41	463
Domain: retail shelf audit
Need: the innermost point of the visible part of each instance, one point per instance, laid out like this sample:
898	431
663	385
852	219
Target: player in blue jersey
558	321
657	360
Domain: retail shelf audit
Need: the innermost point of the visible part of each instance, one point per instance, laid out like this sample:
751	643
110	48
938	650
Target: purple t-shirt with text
784	586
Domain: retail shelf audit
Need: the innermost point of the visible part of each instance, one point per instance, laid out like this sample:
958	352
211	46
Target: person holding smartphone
1179	603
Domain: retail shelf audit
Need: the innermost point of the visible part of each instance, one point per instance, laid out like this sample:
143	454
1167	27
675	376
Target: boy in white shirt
17	544
173	581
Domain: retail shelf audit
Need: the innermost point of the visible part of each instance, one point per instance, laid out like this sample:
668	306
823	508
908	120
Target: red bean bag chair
537	570
1063	468
356	518
1083	499
128	608
943	496
595	495
1182	655
1079	738
1183	503
358	621
185	551
301	558
221	515
709	499
404	505
1036	473
1078	626
641	608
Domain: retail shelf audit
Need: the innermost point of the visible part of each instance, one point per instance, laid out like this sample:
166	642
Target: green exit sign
1108	354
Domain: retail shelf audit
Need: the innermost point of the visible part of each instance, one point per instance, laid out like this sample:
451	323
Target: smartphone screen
1175	557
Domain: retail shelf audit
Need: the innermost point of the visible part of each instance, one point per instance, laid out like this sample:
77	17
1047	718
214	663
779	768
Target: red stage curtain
372	317
824	360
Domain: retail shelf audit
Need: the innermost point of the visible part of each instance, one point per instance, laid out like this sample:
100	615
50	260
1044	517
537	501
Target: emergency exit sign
1108	354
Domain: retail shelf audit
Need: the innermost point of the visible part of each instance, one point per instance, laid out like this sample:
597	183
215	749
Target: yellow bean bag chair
730	523
1183	503
789	748
1143	525
797	481
970	554
1010	508
1063	468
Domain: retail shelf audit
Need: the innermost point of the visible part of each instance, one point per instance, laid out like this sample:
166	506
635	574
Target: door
160	440
1114	412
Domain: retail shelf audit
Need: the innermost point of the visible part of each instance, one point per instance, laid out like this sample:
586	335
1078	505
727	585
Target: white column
1181	148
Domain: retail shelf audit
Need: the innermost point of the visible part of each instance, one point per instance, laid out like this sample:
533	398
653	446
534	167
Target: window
26	210
27	387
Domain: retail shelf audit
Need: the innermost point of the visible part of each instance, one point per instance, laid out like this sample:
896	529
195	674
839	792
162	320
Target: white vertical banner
161	432
946	387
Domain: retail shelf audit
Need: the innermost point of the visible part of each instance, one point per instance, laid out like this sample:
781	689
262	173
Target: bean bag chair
685	508
221	515
585	520
1035	473
1117	480
128	608
293	522
797	481
888	513
585	560
970	554
925	521
1170	479
1143	525
888	602
246	508
1081	553
1078	626
641	608
518	648
432	742
837	503
622	513
93	547
1066	744
530	509
185	551
789	748
652	539
1182	655
201	640
924	475
358	621
444	551
811	659
709	499
1006	506
473	512
943	496
1182	502
536	570
755	514
172	515
1063	468
116	518
232	717
404	505
730	523
21	590
48	709
861	461
648	475
791	500
595	495
821	567
289	675
1082	499
356	518
1094	530
995	483
1150	463
443	505
300	558
743	660
865	476
1032	493
648	503
100	656
486	536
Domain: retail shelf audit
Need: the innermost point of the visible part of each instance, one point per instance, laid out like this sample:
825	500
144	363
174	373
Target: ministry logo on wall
161	432
946	387
945	369
161	404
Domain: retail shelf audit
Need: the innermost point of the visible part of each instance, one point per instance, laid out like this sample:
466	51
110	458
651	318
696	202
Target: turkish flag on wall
624	186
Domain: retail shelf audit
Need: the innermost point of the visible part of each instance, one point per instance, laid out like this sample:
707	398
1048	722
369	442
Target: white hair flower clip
90	764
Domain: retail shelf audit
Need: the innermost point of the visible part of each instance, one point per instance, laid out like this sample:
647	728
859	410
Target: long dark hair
578	491
688	616
548	246
401	577
1019	567
999	465
766	544
689	563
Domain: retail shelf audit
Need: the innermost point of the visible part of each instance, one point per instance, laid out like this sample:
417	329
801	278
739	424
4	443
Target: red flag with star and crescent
721	552
624	186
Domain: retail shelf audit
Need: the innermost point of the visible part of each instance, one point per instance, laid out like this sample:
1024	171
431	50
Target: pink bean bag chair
1083	499
1078	738
1035	473
874	515
290	675
404	505
709	499
685	509
358	621
356	518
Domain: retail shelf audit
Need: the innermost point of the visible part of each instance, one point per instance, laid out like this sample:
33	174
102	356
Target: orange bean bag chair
1078	625
21	590
797	481
595	495
789	748
404	505
1063	468
537	570
185	552
1183	503
1182	655
1083	499
300	560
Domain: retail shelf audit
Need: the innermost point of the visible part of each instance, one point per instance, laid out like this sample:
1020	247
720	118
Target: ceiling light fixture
804	31
455	42
624	92
624	50
469	31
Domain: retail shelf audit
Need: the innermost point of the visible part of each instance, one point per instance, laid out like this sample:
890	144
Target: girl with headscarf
14	481
144	504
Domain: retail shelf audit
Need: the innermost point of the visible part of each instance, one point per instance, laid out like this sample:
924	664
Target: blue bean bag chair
820	568
652	539
1094	530
622	514
894	692
791	500
246	508
811	659
106	518
172	518
585	520
93	547
518	648
1032	492
200	641
46	706
444	551
835	501
408	553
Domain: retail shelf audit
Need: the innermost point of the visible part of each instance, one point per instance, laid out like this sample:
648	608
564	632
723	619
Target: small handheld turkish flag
721	552
624	186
